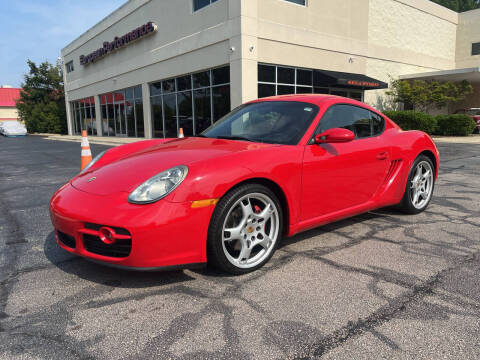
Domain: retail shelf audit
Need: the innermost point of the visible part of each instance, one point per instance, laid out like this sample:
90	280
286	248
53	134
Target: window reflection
83	116
175	105
122	113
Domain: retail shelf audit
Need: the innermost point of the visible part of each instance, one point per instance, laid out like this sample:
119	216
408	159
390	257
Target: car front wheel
245	229
420	185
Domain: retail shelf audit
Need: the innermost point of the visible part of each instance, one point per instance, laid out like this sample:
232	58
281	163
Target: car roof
317	99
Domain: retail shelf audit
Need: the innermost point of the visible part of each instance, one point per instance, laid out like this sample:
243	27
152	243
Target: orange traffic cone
180	133
86	153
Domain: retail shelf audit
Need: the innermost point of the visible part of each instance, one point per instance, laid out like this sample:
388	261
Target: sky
39	29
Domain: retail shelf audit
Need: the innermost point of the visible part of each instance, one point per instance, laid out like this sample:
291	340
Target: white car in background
12	128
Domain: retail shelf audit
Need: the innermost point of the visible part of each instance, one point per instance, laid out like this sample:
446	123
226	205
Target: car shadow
321	230
338	225
105	275
110	276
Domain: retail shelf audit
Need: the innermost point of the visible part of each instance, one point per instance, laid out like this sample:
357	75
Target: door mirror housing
336	135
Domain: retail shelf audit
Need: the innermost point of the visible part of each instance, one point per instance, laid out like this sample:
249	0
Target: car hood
129	171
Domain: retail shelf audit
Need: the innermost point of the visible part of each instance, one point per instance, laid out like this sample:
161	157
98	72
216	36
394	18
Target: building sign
363	83
118	42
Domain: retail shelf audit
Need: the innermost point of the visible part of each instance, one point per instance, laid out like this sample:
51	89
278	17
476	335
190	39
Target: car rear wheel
420	185
245	229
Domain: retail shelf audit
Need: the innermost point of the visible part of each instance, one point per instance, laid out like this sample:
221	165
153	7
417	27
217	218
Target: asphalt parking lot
378	286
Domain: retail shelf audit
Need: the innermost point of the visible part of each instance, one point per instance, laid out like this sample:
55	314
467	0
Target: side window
378	124
69	66
353	118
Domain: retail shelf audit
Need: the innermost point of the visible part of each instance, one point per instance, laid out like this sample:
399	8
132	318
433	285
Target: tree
459	5
42	100
424	95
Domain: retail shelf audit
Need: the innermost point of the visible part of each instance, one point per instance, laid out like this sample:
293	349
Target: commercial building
8	106
153	66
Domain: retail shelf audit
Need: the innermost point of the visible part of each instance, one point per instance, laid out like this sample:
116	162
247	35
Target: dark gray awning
322	78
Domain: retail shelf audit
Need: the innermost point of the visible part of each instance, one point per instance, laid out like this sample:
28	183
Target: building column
147	111
68	109
243	54
98	115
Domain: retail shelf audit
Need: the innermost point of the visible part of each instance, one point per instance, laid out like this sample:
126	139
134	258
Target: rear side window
378	124
362	122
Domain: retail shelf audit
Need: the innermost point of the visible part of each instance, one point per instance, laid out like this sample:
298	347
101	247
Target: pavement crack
387	312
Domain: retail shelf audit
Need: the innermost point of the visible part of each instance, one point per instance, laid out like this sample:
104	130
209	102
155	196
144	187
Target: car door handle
382	156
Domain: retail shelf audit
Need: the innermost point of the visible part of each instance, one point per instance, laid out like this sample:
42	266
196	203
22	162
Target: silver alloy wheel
250	230
421	185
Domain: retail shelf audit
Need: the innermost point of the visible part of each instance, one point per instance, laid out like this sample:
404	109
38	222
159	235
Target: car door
339	176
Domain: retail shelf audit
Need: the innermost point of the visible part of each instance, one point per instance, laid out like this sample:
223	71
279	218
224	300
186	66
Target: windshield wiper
234	138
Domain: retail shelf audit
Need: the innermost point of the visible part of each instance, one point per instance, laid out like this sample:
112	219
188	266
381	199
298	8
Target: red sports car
270	168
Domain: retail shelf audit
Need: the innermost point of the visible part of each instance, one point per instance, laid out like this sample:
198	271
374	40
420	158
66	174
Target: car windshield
274	122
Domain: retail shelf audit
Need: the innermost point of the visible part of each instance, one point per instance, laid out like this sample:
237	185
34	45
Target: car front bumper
162	234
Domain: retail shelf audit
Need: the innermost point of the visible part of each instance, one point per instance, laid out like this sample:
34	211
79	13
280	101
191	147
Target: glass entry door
119	113
120	123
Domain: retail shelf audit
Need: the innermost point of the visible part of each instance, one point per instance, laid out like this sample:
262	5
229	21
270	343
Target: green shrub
412	120
455	125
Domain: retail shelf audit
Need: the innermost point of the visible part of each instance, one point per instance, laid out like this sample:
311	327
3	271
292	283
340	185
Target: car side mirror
336	135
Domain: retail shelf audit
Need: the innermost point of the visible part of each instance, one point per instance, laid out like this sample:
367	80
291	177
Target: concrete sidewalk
104	140
472	139
115	141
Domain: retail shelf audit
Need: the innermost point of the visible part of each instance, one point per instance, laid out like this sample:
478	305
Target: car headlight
95	159
158	186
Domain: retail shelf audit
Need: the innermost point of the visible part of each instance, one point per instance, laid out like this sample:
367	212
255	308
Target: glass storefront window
285	75
83	116
170	113
221	76
130	114
111	120
129	93
157	116
185	116
184	83
156	89
303	90
203	109
266	90
138	92
285	90
168	86
122	113
281	80
221	101
267	73
201	79
139	117
304	77
175	105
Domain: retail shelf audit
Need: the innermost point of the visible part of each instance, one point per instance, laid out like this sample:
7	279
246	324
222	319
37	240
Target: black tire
215	252
406	205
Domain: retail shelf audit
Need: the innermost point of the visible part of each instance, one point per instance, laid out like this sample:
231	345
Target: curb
472	139
92	139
